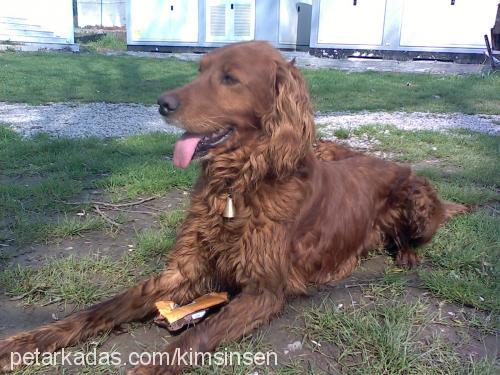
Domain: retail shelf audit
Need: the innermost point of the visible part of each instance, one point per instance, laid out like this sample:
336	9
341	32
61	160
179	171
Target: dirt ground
280	334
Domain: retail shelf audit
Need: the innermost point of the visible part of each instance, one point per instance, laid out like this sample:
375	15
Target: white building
28	22
162	24
417	28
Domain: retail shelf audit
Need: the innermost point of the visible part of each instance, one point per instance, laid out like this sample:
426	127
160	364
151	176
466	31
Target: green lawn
51	77
38	175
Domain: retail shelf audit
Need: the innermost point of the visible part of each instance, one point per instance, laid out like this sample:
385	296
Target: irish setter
303	215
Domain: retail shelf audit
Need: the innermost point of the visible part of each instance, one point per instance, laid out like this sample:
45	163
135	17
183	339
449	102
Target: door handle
452	2
354	2
298	8
171	7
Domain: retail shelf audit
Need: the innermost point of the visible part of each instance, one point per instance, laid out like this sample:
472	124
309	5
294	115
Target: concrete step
13	19
20	26
35	47
32	39
42	33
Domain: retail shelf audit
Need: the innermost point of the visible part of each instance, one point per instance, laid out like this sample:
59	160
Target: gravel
489	124
76	120
117	120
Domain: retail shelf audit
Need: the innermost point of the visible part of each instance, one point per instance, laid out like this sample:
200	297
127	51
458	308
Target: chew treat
174	317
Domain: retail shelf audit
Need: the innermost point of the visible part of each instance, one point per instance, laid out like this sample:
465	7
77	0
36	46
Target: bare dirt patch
114	244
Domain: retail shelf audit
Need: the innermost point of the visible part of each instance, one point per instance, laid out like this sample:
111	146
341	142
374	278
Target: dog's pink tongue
184	149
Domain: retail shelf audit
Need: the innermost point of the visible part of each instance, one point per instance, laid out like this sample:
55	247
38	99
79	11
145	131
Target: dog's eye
228	79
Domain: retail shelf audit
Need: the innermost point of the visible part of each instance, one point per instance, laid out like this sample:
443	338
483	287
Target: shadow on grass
37	78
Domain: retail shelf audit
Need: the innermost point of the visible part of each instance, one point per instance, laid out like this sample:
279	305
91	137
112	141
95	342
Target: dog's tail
452	209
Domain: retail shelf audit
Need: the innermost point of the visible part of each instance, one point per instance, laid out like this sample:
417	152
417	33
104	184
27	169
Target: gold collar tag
229	209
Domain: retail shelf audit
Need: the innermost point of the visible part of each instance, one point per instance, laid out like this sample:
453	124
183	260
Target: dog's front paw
407	259
17	350
11	352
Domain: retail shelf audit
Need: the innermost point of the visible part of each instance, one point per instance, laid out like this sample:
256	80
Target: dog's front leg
136	303
243	314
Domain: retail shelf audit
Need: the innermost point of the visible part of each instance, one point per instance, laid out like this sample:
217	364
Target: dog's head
245	93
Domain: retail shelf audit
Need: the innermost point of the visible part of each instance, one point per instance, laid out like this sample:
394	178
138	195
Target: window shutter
217	20
242	21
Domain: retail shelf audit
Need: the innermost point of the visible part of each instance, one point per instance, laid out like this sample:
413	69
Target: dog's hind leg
410	219
423	214
184	279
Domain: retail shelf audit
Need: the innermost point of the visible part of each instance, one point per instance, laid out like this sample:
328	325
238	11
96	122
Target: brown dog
298	220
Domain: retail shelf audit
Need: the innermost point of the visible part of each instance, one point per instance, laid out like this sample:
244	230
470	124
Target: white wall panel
351	21
447	23
164	20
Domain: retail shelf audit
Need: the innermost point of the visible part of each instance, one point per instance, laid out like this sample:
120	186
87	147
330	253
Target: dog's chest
226	241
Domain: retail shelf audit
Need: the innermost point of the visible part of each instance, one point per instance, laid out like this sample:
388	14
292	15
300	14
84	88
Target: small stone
315	343
294	346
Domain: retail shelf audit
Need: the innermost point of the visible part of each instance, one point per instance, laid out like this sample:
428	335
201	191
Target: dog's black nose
167	103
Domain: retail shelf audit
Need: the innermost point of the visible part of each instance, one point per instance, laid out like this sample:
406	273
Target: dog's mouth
191	145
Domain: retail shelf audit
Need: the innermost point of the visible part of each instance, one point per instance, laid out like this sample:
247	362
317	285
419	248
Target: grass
335	90
248	344
80	281
50	77
465	258
152	244
342	133
108	41
72	226
86	280
38	175
47	77
384	339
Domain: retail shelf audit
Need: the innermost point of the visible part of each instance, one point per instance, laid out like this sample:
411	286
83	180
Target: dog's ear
290	123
